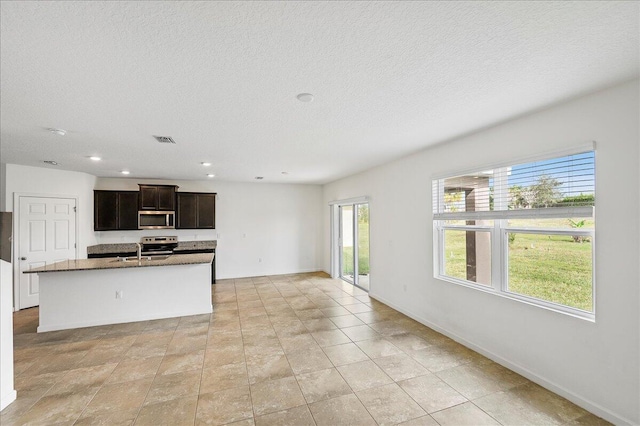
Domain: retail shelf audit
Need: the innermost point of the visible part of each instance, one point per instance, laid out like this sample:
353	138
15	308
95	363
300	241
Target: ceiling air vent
164	139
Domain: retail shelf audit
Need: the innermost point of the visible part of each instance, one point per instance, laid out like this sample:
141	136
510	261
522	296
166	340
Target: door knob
23	258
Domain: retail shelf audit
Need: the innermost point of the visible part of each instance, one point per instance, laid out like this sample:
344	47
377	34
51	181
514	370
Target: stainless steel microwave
156	219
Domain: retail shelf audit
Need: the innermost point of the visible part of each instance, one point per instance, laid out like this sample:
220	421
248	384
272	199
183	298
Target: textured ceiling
221	78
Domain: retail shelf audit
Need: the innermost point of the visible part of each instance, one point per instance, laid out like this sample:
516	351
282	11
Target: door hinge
75	245
75	209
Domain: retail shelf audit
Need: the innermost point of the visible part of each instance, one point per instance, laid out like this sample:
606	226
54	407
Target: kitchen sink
142	259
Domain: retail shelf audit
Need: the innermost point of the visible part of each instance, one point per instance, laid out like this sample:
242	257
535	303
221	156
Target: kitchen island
90	292
129	249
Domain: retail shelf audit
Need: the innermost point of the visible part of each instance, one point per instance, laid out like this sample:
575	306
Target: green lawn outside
552	268
363	252
456	255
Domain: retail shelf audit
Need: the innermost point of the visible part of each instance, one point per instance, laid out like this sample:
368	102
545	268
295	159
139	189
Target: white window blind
556	187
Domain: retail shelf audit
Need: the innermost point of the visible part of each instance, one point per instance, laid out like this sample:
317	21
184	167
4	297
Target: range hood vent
165	139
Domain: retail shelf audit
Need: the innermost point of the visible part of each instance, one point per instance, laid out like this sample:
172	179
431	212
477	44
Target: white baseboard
297	271
588	405
7	399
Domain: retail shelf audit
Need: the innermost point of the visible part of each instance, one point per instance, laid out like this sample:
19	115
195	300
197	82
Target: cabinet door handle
23	258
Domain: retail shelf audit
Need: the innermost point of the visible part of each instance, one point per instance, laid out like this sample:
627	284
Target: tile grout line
253	410
135	420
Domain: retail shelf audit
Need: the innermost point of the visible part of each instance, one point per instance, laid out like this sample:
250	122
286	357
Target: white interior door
47	229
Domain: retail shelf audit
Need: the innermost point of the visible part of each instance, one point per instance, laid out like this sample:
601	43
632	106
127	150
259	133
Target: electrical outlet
259	260
118	294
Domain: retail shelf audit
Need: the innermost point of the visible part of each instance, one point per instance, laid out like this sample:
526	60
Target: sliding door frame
336	230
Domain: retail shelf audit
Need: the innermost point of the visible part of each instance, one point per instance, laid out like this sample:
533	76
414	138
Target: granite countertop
115	263
131	247
195	245
112	248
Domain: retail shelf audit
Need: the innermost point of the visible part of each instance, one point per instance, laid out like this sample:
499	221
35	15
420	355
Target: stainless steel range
158	245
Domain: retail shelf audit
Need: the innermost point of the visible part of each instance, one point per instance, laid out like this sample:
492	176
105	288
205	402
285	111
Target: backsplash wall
111	237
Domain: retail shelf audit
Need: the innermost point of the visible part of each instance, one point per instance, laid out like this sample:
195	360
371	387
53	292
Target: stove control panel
159	240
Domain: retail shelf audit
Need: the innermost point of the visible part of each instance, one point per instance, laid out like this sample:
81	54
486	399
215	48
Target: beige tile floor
282	350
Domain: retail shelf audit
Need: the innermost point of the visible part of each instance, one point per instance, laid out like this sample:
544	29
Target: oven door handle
151	253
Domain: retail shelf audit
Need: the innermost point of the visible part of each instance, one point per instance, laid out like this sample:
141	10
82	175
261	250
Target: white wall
7	391
44	181
3	186
262	229
593	364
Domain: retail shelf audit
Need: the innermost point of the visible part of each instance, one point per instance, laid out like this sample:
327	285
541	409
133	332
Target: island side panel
77	299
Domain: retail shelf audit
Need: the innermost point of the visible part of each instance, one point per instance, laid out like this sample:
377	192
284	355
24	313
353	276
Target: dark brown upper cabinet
157	197
115	210
196	210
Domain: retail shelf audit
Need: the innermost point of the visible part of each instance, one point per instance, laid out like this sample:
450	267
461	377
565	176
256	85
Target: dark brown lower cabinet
115	210
196	210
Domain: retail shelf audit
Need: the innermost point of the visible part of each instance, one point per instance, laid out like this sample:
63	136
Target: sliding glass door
354	244
362	238
347	248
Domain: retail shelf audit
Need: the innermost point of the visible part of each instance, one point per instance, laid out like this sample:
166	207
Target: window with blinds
525	230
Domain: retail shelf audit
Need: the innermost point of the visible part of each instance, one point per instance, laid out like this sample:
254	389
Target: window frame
476	228
500	230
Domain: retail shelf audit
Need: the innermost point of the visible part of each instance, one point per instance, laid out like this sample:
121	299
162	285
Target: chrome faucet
139	251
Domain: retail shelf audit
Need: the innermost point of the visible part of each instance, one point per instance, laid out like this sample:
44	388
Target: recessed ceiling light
305	97
211	175
125	172
205	164
95	158
53	163
60	132
259	177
